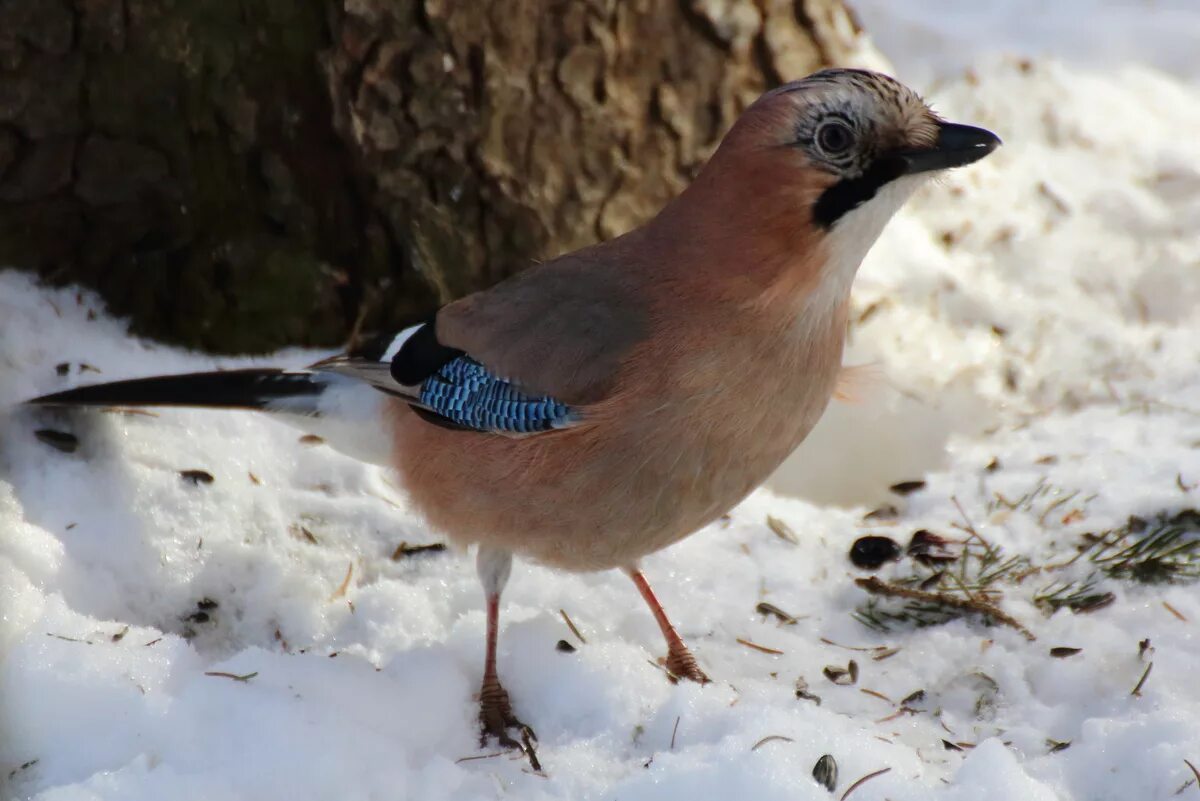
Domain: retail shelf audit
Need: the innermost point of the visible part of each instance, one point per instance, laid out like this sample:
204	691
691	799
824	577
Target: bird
602	405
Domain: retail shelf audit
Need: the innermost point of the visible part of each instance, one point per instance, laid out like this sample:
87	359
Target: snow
1036	310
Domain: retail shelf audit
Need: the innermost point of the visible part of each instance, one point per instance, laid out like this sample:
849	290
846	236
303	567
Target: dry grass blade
1136	692
571	625
341	591
860	648
862	781
764	649
244	677
771	738
1195	772
302	533
479	756
1174	611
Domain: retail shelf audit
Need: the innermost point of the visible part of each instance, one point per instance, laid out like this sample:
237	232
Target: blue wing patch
465	393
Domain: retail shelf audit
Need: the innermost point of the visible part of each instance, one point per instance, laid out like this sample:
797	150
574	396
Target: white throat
849	240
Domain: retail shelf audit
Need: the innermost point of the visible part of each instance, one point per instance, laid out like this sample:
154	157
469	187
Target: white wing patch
397	343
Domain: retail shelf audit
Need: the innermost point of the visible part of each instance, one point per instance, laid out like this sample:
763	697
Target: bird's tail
348	414
297	391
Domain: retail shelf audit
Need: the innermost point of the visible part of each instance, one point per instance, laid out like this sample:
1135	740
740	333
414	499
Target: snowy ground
1034	330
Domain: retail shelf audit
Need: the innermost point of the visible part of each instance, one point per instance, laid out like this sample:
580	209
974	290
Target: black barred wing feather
467	395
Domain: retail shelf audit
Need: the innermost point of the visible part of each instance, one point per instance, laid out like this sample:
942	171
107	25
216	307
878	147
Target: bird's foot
680	664
496	719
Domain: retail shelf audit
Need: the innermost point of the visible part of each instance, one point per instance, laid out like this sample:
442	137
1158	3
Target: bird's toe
496	719
680	664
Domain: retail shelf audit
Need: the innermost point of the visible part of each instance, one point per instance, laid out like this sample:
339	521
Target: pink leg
496	717
680	662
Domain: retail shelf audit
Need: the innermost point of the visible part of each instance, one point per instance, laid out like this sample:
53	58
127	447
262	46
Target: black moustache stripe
850	193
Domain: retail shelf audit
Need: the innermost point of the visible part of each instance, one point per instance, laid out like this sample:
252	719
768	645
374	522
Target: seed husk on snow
782	530
802	692
872	551
770	609
843	676
404	550
826	772
882	513
196	477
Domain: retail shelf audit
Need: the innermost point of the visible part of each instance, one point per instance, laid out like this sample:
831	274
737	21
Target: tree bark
247	174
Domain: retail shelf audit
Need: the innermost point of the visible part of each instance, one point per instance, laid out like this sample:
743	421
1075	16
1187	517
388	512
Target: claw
681	664
496	719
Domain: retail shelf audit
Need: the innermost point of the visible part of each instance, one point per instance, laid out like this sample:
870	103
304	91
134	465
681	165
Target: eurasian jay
607	403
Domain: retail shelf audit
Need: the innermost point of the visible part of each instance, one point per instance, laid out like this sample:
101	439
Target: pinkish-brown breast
689	433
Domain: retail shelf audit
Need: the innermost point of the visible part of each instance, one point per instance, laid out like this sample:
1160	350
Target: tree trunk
246	174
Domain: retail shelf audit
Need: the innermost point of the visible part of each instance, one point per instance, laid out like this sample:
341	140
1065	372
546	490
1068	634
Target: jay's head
847	147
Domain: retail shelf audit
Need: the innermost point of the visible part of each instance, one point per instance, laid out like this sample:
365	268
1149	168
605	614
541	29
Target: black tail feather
230	389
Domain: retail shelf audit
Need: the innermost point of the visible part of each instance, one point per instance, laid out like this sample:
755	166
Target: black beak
956	146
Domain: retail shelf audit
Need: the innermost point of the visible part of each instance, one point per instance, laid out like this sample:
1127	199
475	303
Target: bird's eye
834	138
